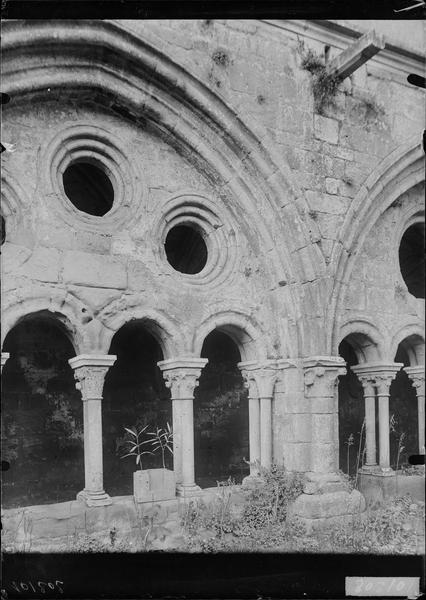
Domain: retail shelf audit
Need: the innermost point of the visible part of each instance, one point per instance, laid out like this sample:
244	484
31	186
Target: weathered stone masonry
209	130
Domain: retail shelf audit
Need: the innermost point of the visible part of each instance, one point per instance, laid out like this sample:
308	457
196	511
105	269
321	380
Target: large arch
401	170
138	81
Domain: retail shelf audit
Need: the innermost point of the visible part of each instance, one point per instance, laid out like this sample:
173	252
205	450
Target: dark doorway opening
134	395
220	415
186	249
42	416
403	414
89	188
351	413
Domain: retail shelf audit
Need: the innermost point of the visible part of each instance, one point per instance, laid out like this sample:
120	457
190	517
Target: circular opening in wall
186	249
89	188
412	259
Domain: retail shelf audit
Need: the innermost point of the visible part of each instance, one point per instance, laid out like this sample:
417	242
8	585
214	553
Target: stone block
326	203
317	506
297	456
95	270
59	237
332	185
92	241
301	427
152	485
326	129
44	265
323	427
323	456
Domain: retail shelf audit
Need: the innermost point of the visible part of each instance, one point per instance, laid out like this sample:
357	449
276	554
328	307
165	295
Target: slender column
4	357
181	376
266	378
321	376
417	376
367	380
254	416
383	378
260	379
89	372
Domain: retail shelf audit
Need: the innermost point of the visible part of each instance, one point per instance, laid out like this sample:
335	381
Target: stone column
366	377
384	374
321	376
181	376
260	379
325	495
417	376
4	357
89	372
254	417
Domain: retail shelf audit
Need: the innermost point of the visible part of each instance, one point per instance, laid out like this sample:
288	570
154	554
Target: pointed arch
127	74
401	170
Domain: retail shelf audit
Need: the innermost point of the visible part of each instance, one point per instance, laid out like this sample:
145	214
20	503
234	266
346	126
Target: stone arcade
178	213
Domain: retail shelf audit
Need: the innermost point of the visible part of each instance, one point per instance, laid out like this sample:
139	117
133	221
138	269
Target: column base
385	472
94	498
324	483
370	469
316	511
187	491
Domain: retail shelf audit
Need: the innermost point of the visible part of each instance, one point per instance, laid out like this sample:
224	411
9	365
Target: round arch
365	339
127	73
401	170
65	309
411	337
165	331
240	328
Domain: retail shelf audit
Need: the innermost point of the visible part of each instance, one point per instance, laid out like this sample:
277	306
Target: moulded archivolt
212	223
92	144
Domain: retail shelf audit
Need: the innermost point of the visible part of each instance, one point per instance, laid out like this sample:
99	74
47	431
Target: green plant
162	441
269	502
136	444
324	84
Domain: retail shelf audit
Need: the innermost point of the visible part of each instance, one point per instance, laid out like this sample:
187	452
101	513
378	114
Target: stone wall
213	124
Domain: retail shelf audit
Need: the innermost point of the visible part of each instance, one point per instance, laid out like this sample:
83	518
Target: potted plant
151	485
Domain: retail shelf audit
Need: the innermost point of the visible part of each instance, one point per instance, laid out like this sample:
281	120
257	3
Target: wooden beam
356	55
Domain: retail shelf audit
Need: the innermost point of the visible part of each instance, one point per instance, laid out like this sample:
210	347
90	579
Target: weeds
324	84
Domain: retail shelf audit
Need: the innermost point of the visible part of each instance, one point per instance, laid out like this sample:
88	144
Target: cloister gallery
190	239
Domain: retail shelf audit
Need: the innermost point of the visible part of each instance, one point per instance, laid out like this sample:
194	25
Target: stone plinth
152	485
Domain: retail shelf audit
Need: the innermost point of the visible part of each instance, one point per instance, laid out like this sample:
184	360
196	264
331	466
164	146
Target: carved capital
321	375
366	378
417	376
259	378
181	375
378	374
89	373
